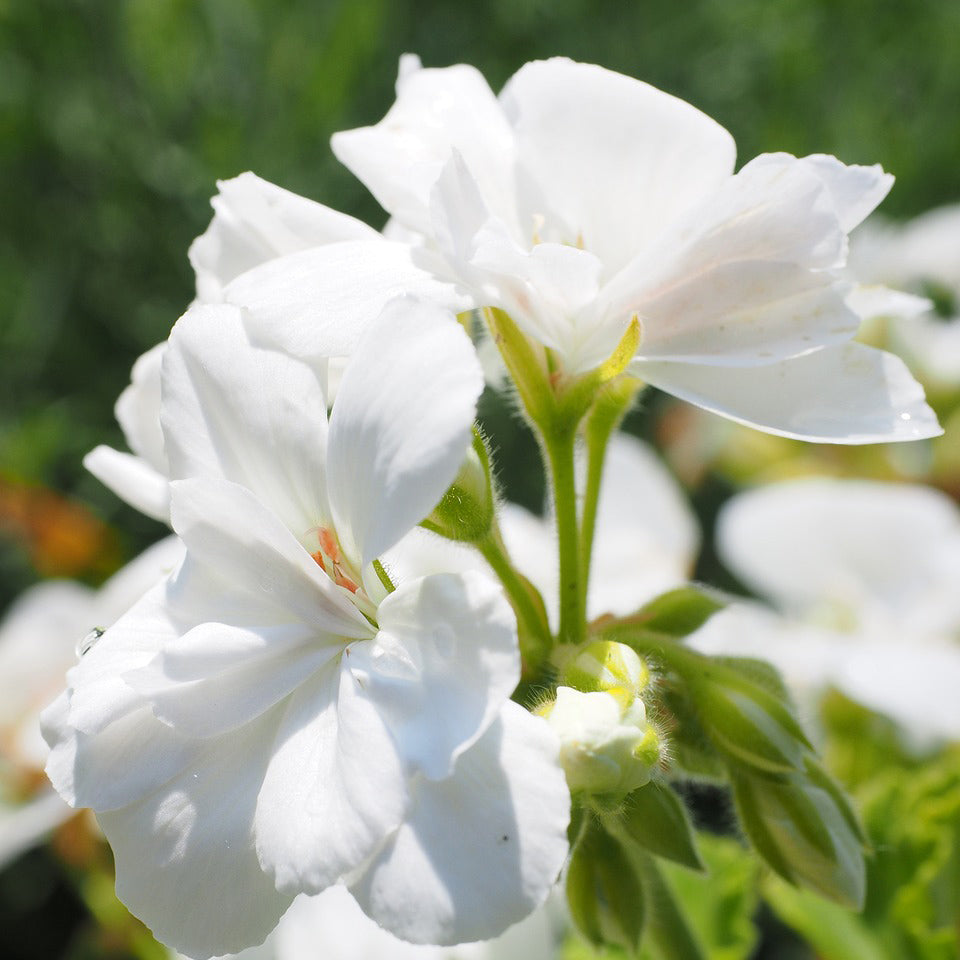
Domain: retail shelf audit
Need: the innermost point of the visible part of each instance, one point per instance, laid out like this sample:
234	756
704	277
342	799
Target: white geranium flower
275	719
343	268
580	198
38	644
331	926
646	537
923	256
866	575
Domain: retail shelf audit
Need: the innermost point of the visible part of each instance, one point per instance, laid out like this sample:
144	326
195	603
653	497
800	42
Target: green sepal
747	721
655	818
467	509
676	613
801	832
692	753
604	892
526	362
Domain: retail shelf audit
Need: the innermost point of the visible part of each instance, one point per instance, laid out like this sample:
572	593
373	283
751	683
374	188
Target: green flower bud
610	667
748	722
466	511
806	831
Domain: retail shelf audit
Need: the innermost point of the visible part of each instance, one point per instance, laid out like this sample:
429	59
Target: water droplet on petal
88	642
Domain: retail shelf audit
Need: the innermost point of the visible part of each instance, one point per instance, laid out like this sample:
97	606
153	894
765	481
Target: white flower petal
130	758
436	111
846	394
479	850
132	479
915	685
247	414
210	705
611	158
742	276
255	221
871	302
334	787
316	303
132	581
421	553
227	530
138	408
97	693
854	190
807	657
331	926
855	543
442	665
746	314
401	425
185	857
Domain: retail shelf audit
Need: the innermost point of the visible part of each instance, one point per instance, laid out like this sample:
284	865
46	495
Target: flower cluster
343	682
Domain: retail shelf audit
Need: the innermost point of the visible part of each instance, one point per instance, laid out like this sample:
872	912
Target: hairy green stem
605	416
535	640
560	445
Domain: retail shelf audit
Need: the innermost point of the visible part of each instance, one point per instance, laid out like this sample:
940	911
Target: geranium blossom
342	268
866	576
39	636
580	198
277	718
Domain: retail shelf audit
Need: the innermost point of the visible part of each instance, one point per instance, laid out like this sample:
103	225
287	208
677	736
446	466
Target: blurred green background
118	116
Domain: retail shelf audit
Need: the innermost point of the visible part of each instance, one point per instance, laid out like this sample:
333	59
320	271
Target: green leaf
655	818
678	612
721	903
834	933
604	892
670	933
798	828
760	672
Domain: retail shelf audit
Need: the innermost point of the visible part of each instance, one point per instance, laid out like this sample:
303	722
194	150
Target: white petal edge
132	479
401	425
849	394
316	304
255	221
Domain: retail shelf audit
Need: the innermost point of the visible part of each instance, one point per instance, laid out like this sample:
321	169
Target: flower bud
609	667
466	510
749	723
605	747
803	827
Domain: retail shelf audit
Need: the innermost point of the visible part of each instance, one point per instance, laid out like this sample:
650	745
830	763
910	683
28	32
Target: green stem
605	416
560	444
534	630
